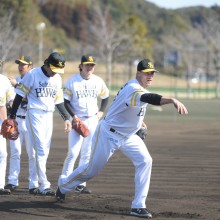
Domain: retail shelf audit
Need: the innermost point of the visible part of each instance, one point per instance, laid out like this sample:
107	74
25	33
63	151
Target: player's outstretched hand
67	126
180	107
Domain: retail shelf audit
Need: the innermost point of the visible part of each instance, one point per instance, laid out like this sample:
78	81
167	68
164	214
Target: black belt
112	130
21	116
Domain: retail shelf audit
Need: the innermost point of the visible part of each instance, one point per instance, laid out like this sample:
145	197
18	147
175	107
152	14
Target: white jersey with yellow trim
41	91
83	94
124	108
6	90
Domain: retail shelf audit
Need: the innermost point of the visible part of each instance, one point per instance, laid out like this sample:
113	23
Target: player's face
50	73
23	68
87	70
145	79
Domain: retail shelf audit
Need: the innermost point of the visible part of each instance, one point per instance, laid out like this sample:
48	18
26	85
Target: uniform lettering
86	93
141	113
45	92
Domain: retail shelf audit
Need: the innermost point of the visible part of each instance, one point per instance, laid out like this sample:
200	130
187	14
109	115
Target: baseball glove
80	127
9	129
142	132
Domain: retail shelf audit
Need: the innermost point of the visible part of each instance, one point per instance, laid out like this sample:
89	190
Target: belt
87	116
114	131
21	116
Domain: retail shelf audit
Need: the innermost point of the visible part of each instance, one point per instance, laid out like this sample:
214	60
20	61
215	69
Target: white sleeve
59	95
67	91
25	85
104	93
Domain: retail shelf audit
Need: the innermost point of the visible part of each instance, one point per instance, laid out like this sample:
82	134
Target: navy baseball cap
87	59
25	59
56	62
146	66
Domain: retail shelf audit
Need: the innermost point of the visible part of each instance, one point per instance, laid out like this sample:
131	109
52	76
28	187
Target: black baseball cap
25	59
146	66
87	59
56	62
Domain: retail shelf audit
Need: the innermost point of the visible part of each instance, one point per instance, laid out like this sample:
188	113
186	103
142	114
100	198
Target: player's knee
148	161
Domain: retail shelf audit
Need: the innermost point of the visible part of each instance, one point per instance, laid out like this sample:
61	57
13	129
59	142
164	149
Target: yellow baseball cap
56	62
146	66
88	59
24	59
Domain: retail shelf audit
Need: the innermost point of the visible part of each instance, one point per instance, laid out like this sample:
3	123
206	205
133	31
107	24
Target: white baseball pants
78	144
16	148
40	126
104	144
3	160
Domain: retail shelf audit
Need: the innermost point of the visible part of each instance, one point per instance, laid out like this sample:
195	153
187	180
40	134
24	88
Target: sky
174	4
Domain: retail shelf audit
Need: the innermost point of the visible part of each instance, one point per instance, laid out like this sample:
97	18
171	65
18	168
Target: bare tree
110	39
8	37
194	53
106	37
210	30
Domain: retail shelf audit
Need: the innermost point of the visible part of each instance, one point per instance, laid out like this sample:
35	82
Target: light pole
40	27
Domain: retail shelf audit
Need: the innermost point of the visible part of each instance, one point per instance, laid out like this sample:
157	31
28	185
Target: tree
110	39
8	37
210	29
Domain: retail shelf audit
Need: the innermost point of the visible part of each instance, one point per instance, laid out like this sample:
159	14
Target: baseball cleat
48	192
34	191
141	212
82	189
5	191
60	196
11	187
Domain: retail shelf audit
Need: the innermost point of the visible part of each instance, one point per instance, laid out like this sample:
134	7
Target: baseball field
185	181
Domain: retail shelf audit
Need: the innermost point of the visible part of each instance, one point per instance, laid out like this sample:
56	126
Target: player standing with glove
42	86
117	131
81	92
25	64
6	96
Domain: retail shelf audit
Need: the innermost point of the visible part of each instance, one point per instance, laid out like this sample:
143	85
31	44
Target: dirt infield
185	181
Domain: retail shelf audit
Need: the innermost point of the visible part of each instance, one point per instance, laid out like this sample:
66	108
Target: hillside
159	21
64	20
180	42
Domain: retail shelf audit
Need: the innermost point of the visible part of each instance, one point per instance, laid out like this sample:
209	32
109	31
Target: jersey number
141	112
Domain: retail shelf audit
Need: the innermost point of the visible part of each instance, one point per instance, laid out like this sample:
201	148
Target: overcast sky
173	4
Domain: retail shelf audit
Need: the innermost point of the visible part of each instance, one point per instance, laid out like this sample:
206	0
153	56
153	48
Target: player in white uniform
6	96
81	92
42	86
25	64
117	131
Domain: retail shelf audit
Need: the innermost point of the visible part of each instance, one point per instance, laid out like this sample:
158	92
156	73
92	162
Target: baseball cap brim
88	63
21	61
149	70
56	69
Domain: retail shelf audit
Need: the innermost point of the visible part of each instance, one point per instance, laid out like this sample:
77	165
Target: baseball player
81	92
6	96
25	64
42	86
117	131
